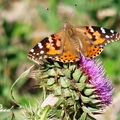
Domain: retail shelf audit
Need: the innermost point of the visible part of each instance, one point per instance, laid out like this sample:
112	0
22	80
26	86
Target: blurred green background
24	22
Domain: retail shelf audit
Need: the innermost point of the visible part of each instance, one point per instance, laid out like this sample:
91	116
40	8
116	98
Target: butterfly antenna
50	10
71	14
47	8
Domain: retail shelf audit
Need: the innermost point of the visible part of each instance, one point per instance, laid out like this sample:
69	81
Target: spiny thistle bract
82	88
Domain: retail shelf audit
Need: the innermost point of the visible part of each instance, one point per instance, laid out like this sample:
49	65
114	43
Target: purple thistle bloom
96	77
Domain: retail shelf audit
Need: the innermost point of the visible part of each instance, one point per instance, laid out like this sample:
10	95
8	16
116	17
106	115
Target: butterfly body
67	44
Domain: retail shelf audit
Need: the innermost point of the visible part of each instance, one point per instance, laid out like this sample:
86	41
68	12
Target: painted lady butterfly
67	44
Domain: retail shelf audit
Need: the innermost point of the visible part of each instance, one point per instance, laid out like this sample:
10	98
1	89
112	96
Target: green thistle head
82	88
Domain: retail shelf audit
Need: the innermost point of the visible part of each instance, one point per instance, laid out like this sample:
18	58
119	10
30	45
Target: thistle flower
82	88
96	74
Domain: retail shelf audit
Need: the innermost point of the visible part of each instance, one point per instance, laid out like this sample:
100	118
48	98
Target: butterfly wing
56	46
95	39
100	36
49	47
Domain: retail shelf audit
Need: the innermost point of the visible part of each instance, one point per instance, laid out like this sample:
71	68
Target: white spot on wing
40	45
41	52
107	36
112	41
91	29
32	50
111	36
112	31
50	39
103	30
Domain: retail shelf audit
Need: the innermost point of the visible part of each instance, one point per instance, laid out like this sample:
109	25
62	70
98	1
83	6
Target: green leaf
65	65
89	85
57	90
66	92
80	86
20	77
70	101
95	101
72	67
60	72
83	78
67	73
94	109
51	72
76	75
83	116
89	91
43	76
50	81
93	96
76	96
86	110
44	113
57	64
64	82
85	99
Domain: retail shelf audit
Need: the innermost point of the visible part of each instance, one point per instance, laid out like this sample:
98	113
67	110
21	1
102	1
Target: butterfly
67	44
